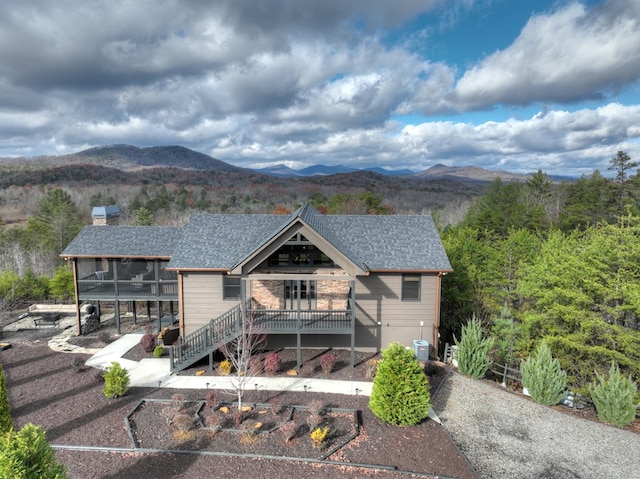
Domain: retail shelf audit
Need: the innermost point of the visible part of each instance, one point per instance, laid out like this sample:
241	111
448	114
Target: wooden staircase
207	339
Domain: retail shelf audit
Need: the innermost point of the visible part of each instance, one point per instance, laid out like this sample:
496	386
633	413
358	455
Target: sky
516	85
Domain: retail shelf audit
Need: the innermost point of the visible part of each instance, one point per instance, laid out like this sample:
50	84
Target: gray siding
379	300
203	299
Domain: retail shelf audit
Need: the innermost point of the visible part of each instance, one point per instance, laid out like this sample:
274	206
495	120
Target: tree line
559	262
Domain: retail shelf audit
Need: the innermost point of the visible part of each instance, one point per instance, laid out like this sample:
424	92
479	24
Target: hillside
132	158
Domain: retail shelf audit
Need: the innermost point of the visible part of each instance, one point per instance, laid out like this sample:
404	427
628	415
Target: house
308	280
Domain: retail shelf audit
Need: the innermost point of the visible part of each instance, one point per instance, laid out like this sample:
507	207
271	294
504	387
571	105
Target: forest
532	260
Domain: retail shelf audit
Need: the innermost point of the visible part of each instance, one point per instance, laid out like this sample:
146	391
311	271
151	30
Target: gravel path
504	435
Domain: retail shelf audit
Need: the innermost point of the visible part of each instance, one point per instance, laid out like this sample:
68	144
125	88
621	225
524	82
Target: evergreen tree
400	393
614	397
473	350
27	455
543	377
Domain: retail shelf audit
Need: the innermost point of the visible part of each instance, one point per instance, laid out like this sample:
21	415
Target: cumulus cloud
568	55
285	81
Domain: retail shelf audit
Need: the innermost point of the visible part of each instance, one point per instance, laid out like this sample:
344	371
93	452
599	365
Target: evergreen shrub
400	393
6	423
473	350
26	454
614	397
158	352
543	377
116	381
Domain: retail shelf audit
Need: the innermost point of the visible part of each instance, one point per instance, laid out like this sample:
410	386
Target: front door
302	290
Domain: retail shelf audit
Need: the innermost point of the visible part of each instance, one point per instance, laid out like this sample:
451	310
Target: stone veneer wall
268	294
330	294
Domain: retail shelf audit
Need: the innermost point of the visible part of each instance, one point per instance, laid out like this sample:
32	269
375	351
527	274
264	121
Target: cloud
294	82
565	56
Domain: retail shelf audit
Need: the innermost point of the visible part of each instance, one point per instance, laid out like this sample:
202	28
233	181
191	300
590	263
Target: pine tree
614	397
473	350
400	393
543	377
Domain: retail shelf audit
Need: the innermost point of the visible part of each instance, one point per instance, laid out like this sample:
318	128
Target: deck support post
352	304
116	312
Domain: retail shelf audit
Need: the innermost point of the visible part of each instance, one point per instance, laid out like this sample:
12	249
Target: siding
203	299
379	300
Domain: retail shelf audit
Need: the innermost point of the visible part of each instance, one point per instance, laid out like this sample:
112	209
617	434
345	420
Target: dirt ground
90	436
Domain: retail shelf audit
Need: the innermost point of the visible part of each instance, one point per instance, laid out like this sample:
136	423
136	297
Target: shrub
327	363
400	393
178	401
158	352
319	435
6	423
26	454
147	342
289	430
116	381
473	350
211	399
225	367
238	417
614	397
316	407
276	406
272	363
543	377
371	367
213	422
313	421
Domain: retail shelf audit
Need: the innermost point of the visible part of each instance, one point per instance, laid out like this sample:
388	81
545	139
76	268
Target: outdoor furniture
48	319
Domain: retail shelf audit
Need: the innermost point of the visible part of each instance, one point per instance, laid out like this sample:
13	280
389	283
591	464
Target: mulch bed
45	388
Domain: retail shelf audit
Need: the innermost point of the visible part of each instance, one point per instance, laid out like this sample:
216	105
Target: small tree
614	397
473	350
116	381
6	423
543	377
400	393
26	454
241	352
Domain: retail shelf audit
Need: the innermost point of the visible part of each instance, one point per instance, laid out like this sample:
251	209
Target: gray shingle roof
124	241
392	243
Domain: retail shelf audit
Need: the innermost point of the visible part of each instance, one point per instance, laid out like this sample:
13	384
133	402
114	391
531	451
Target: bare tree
241	352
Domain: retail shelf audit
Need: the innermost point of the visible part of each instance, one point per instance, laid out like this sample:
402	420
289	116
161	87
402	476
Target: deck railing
127	289
228	326
208	338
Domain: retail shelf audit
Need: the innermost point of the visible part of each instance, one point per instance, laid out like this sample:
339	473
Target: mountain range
131	158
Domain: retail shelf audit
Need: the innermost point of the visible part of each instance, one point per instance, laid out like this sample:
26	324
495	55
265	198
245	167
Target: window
410	287
231	287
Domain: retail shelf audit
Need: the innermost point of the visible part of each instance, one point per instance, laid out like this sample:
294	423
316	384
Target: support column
352	304
159	308
116	313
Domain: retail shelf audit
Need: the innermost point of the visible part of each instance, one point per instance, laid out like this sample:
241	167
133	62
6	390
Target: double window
410	287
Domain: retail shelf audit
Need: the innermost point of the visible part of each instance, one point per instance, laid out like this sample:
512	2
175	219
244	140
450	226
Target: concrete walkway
155	372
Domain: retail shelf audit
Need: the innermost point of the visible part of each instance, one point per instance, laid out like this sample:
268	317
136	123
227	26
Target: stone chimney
105	215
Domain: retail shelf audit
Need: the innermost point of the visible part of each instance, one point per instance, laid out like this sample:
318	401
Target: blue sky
501	84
